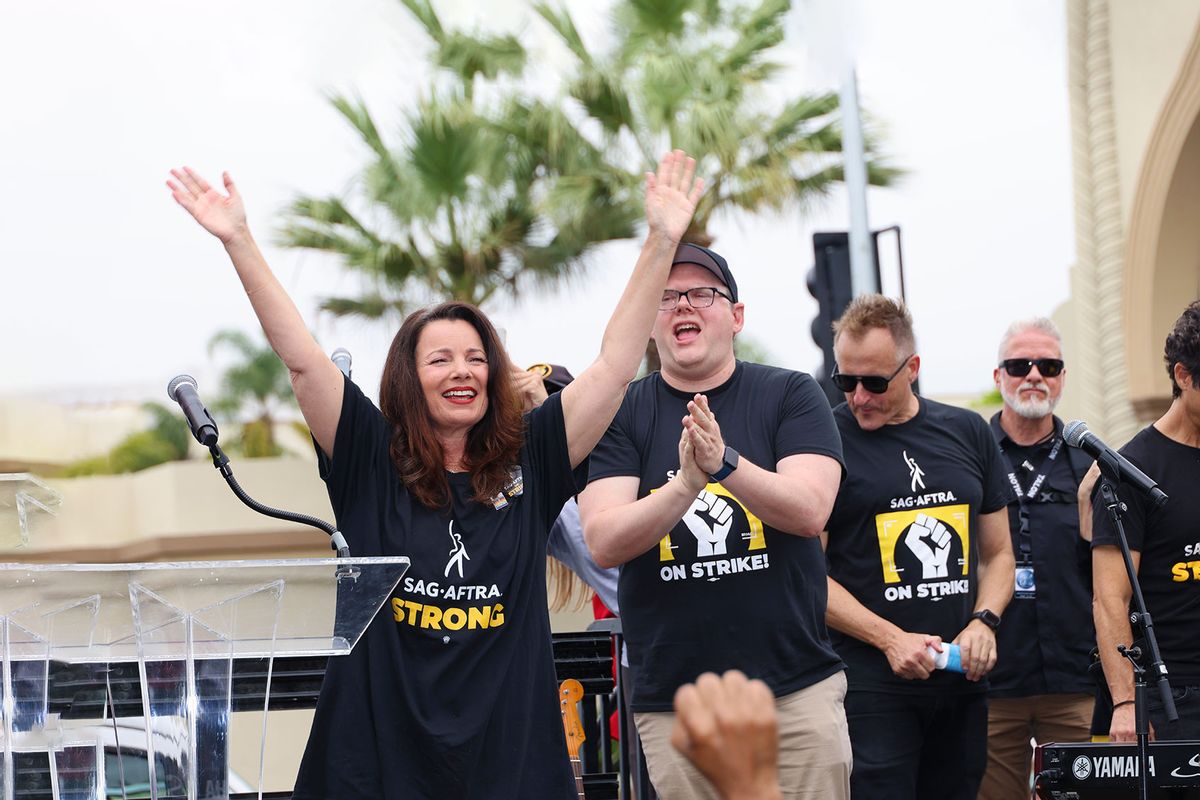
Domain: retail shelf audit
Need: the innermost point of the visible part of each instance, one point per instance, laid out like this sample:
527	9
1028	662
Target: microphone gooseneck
182	389
336	540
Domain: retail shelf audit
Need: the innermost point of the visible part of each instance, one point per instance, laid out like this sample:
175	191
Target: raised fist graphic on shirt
709	520
929	540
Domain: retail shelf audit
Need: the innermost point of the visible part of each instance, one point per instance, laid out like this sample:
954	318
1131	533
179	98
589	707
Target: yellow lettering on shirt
431	617
1185	571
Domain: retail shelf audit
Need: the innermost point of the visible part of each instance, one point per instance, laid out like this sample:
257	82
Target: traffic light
829	282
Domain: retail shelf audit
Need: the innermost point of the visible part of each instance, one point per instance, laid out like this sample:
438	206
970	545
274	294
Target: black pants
1187	703
913	747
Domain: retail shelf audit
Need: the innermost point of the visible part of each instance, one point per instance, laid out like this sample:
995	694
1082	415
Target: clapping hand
692	477
701	426
222	215
672	194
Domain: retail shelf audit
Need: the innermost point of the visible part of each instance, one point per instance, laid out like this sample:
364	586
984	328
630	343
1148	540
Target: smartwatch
987	617
728	464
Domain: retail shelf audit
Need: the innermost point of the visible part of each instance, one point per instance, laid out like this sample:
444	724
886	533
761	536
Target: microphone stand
1140	617
221	462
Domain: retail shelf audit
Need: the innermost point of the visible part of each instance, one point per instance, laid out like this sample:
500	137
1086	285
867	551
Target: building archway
1162	264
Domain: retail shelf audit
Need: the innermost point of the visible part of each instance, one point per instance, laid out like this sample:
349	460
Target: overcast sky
110	289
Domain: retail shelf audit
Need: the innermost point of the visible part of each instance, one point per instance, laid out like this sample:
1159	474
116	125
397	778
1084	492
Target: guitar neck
577	768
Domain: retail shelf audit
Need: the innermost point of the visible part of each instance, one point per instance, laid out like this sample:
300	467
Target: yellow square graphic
755	536
890	525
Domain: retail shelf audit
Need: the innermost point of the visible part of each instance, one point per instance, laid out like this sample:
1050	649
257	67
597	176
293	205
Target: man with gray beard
1039	688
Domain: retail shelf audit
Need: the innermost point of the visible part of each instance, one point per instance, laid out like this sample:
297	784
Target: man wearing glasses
919	557
1040	687
710	488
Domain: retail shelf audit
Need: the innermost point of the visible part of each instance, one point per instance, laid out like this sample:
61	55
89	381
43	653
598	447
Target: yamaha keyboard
1100	771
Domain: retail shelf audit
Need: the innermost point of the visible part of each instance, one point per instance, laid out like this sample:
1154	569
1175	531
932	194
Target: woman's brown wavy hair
493	444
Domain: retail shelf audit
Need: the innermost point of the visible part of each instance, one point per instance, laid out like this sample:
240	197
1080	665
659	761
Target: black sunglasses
875	384
1020	367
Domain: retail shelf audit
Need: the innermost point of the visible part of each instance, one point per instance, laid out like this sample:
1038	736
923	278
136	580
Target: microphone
341	357
182	389
1077	435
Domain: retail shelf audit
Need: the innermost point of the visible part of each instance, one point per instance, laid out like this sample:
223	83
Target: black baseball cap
714	263
554	377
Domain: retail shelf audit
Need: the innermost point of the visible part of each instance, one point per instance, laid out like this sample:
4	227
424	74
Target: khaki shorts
814	748
1013	722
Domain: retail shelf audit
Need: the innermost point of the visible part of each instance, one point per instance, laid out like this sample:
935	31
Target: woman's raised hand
672	194
222	215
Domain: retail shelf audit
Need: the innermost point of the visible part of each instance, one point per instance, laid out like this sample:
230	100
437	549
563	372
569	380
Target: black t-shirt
902	533
1044	642
722	589
451	692
1169	540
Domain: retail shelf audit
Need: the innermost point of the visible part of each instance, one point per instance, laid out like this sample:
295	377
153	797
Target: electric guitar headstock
570	692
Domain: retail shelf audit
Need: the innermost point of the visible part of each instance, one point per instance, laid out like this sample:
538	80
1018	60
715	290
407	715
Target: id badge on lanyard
1025	586
1025	582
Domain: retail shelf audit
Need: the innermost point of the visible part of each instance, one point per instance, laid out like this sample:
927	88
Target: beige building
1134	72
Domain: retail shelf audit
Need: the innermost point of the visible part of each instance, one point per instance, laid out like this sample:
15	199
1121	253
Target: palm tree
692	74
493	190
253	388
473	201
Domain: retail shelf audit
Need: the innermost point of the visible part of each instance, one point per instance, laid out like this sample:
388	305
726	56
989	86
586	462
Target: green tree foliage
694	74
469	199
988	401
489	188
747	348
253	389
165	440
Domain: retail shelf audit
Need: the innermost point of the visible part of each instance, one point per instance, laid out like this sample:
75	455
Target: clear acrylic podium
183	624
23	497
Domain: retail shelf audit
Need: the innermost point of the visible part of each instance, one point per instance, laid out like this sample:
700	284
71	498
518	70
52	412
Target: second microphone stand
1139	618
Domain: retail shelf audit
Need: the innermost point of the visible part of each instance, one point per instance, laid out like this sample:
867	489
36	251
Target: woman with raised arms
451	693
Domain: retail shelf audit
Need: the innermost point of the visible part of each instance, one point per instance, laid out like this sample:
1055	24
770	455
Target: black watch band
728	464
987	617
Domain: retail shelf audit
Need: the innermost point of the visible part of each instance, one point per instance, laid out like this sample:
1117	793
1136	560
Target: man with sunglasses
919	557
710	488
1040	687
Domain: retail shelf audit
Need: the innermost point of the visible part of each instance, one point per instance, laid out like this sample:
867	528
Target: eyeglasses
699	297
875	384
1020	367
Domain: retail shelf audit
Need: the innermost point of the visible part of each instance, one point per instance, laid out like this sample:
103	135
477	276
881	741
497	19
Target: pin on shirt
514	488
